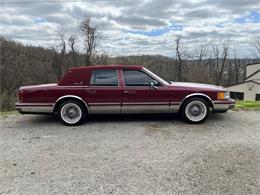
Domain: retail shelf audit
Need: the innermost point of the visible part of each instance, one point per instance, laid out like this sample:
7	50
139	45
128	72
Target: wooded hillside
29	65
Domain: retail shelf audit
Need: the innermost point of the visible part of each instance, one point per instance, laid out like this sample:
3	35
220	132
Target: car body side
75	84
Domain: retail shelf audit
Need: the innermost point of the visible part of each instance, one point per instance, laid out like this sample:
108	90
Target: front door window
137	78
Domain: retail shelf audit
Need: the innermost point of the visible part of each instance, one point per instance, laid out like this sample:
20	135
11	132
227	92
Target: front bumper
34	108
223	105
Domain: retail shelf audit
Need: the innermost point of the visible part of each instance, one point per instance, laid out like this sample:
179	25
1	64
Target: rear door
104	93
139	97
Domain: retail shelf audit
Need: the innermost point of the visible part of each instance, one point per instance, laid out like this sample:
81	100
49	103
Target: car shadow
52	119
149	118
111	118
133	118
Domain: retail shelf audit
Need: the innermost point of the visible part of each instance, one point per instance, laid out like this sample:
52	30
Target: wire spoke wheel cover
71	113
196	111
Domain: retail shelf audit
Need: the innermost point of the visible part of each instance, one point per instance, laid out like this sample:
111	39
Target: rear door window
104	78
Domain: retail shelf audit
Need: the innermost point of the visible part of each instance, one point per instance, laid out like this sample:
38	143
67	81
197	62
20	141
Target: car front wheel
71	113
195	110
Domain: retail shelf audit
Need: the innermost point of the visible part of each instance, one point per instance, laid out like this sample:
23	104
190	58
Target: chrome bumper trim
223	105
27	108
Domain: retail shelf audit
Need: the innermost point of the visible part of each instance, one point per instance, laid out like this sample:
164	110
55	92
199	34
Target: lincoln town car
121	89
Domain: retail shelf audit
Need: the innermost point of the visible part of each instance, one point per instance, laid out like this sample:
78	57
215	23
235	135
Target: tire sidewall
183	113
83	110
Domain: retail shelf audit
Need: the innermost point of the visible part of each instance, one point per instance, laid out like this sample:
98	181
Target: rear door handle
129	92
91	91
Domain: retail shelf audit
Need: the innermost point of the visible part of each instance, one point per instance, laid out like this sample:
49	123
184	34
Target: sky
136	27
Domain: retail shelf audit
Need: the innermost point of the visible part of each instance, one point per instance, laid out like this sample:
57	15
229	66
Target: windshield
157	78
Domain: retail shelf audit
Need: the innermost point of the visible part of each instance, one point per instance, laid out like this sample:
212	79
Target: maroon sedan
120	89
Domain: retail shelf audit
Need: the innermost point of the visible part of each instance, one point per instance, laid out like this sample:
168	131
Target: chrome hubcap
71	113
196	111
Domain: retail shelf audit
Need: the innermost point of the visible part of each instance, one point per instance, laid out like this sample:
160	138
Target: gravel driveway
131	155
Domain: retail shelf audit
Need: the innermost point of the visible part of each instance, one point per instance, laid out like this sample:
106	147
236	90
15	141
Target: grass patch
247	105
8	112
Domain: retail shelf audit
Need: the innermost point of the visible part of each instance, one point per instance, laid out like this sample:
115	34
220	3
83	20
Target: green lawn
8	112
247	105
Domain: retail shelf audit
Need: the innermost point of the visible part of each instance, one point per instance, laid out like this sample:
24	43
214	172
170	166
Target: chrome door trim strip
146	103
175	103
104	104
146	109
109	109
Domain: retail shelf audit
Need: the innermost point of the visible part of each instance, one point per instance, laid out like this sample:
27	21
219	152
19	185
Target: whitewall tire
72	112
195	110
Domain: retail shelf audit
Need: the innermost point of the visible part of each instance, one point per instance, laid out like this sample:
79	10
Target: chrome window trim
161	80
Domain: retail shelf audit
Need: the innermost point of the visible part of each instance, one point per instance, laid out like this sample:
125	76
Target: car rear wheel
195	110
72	113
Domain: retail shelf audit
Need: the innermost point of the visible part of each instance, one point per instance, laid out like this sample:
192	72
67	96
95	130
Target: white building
249	89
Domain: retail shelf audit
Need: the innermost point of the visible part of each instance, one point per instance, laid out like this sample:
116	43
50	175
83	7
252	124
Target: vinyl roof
113	66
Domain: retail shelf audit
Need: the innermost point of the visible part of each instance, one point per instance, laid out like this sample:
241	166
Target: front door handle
91	91
129	92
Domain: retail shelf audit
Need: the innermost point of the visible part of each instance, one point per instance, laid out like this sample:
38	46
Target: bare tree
256	50
198	67
238	66
220	53
91	35
72	42
59	53
179	58
202	52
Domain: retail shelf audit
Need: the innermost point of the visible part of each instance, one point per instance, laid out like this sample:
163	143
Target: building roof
245	82
249	76
252	63
252	74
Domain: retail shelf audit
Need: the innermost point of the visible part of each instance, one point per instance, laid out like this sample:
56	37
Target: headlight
223	95
227	95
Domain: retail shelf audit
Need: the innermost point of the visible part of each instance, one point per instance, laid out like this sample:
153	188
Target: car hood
196	85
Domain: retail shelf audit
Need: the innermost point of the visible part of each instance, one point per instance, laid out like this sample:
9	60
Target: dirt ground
141	154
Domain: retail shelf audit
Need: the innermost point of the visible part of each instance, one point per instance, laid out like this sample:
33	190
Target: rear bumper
34	108
223	105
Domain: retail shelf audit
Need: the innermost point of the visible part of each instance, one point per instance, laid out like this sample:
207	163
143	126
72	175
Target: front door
140	97
104	93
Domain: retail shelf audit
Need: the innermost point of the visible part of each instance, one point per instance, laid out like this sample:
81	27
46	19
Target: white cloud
137	27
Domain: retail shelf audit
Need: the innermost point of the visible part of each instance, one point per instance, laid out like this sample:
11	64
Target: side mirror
153	84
